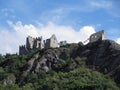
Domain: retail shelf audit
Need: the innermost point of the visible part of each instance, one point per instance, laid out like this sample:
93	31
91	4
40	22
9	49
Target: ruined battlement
22	49
38	42
97	36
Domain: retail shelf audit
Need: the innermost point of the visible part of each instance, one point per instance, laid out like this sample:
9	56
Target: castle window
92	36
95	36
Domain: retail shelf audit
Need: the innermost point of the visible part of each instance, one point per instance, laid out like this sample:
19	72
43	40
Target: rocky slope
103	56
81	61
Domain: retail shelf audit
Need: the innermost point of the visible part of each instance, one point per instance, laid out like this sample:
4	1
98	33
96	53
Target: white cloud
118	40
11	39
24	30
101	4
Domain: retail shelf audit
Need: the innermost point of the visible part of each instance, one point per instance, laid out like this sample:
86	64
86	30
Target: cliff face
103	56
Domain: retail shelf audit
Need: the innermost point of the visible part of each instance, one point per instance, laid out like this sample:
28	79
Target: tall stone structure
51	42
97	36
35	43
30	42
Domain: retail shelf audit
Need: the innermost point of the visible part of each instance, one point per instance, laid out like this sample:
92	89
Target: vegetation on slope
70	72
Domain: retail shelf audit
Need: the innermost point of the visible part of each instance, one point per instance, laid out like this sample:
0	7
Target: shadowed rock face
103	56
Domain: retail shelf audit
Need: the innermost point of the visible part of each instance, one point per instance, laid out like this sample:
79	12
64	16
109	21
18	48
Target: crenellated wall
35	43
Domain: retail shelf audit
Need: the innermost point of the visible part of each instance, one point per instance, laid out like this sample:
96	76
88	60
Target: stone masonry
35	43
51	42
97	36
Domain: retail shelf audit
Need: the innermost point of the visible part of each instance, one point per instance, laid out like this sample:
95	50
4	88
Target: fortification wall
35	43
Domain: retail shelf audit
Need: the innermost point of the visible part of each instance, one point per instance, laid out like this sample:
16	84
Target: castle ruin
51	42
97	36
35	43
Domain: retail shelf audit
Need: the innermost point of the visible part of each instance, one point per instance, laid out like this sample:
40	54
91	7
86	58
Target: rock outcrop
9	80
103	56
46	61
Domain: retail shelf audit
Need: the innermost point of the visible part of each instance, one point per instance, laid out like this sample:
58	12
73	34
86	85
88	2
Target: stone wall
47	43
23	50
38	43
53	41
97	36
35	43
29	42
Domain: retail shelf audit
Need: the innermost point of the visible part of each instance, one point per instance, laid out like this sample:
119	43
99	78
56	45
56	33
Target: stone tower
51	42
34	43
38	43
29	42
97	36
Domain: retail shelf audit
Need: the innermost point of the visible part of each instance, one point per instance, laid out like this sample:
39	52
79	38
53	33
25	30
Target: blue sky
69	15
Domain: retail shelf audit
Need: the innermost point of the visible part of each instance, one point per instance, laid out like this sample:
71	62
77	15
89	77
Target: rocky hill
102	56
71	67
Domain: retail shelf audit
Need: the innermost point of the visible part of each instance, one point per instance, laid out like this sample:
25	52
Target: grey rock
30	64
9	80
46	68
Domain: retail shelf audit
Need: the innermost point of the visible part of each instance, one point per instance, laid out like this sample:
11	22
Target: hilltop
72	66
